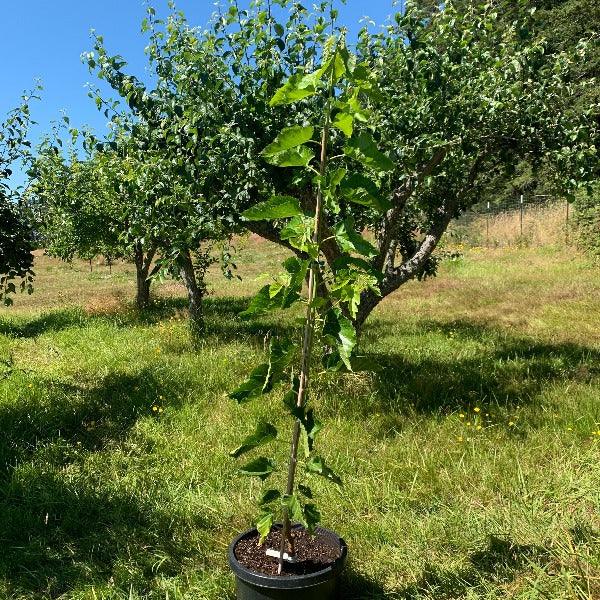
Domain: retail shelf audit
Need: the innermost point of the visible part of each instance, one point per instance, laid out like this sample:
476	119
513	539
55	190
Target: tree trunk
142	268
195	294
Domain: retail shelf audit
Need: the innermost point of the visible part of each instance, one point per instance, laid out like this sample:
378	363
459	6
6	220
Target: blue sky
44	39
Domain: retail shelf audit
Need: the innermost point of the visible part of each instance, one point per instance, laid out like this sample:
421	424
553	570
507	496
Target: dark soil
313	553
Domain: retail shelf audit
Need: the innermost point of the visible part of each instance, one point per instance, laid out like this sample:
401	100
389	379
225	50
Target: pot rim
291	581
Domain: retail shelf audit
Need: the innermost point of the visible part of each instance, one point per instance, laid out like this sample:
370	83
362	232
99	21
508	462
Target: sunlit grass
470	462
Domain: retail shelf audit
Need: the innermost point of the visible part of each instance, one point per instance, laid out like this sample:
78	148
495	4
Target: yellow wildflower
477	409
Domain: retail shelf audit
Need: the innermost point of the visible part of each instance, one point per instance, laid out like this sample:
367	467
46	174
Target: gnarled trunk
143	262
195	294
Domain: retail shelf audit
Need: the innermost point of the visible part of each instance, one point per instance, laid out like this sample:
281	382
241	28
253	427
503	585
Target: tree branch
400	197
397	276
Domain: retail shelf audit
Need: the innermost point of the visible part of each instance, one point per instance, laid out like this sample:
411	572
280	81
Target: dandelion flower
155	408
460	439
477	409
479	427
160	410
511	424
462	416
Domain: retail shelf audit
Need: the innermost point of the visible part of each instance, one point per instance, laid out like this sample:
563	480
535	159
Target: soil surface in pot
313	554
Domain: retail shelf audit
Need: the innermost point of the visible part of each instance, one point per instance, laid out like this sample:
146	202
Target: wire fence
520	221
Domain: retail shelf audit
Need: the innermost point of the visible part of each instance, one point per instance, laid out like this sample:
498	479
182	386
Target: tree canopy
16	233
454	97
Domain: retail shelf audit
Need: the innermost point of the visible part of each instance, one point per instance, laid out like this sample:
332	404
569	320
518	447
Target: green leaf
297	268
295	157
333	362
269	496
345	123
364	149
253	387
310	428
281	355
335	178
260	467
341	332
265	376
264	433
351	241
361	190
299	233
312	517
261	302
300	86
296	88
264	526
345	262
317	466
290	401
293	507
277	207
289	138
339	66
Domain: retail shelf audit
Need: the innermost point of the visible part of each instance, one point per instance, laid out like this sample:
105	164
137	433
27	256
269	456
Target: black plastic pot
323	585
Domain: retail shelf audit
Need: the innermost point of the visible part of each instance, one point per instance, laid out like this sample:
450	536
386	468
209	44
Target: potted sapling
288	555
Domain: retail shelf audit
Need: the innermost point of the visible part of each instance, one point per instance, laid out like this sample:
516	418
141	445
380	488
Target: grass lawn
471	463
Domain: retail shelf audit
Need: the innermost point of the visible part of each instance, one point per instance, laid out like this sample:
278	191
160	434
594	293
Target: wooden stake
307	342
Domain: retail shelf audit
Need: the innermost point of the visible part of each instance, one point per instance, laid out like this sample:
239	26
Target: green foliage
16	246
587	221
306	231
441	105
16	230
278	207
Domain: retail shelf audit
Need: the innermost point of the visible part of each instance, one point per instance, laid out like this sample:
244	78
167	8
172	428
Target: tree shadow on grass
498	564
223	322
356	586
508	371
48	322
58	536
77	415
59	531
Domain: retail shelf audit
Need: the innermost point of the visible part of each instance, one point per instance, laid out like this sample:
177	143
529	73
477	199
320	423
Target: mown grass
470	460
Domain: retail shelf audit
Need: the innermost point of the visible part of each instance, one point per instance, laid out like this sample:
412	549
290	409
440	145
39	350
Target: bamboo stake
309	328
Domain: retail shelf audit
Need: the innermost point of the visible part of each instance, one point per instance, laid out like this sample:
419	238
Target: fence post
567	225
521	215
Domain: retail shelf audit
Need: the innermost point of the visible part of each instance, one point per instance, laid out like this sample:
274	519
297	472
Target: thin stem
307	343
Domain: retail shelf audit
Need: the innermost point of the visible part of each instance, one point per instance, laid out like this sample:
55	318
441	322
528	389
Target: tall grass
540	226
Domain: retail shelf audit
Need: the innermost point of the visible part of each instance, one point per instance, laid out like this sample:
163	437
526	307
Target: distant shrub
587	222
